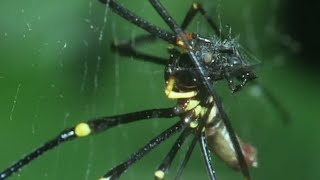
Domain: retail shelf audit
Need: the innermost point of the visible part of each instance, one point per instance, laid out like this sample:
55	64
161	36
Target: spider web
57	69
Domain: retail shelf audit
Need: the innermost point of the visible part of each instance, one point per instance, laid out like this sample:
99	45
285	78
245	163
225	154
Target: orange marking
179	41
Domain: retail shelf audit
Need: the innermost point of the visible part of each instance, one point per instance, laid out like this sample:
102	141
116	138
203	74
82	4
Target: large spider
194	65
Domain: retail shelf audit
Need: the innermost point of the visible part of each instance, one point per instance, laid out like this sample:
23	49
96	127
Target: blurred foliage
56	69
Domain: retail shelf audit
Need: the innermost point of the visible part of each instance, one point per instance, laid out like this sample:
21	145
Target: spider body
194	65
223	60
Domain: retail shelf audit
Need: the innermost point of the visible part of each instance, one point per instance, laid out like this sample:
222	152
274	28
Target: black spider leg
285	115
192	12
186	157
116	172
206	155
127	48
209	87
140	22
203	145
83	129
167	161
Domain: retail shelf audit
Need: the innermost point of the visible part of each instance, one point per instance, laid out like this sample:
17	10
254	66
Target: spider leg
186	157
206	156
203	74
126	48
192	12
116	172
83	129
167	161
140	22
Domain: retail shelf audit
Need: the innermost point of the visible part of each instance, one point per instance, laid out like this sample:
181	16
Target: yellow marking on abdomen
192	104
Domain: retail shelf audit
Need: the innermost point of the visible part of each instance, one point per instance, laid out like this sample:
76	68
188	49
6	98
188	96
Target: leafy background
56	69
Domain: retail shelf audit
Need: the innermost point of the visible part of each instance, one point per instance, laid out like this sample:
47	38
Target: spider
195	63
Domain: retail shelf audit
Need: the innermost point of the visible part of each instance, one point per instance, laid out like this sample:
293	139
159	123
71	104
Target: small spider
195	64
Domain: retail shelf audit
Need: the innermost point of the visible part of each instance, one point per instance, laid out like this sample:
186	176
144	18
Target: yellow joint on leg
195	5
180	43
193	124
82	129
159	174
197	110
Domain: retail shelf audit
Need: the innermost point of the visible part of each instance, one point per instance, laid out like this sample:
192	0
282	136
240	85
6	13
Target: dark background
56	69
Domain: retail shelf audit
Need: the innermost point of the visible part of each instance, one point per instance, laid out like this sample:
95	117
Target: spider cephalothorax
222	59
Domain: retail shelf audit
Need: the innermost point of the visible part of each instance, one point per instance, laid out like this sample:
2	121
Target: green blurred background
56	69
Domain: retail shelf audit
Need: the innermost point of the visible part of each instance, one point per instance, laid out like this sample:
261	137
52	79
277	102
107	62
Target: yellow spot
194	124
195	6
180	43
203	111
213	113
192	104
197	110
159	174
82	130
